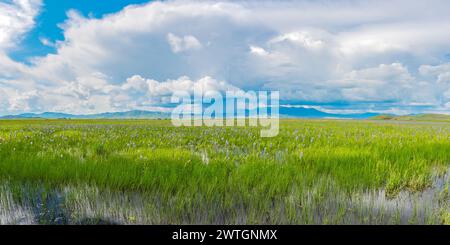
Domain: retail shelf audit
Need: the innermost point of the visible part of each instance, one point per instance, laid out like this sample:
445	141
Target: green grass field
148	172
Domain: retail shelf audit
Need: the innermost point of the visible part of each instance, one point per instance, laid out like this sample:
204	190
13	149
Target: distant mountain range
285	112
107	115
302	112
297	112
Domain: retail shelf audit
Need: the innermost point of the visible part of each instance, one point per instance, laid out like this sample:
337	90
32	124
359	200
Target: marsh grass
146	171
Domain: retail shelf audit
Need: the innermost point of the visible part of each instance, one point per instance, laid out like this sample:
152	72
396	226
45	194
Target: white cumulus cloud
180	44
315	51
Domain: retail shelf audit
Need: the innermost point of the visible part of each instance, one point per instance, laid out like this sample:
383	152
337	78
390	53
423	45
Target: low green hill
416	117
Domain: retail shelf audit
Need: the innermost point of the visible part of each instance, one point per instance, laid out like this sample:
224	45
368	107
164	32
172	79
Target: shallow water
88	205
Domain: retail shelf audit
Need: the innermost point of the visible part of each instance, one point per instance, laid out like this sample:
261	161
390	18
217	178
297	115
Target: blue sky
336	56
53	12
